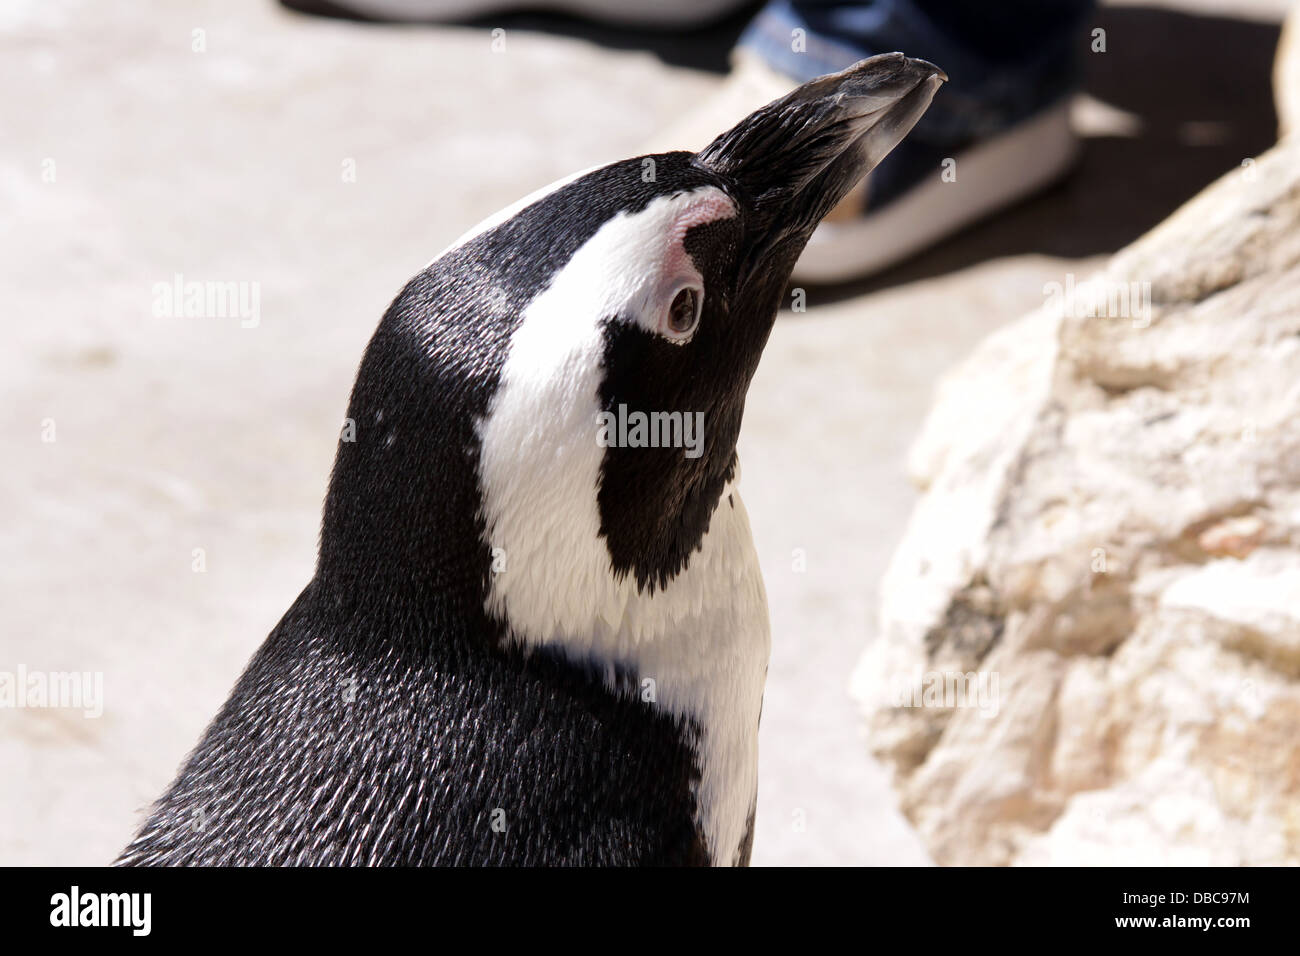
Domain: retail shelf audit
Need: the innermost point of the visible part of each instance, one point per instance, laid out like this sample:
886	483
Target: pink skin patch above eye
675	268
710	207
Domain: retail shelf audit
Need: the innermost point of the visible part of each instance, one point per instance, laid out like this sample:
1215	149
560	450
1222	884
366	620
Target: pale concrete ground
173	435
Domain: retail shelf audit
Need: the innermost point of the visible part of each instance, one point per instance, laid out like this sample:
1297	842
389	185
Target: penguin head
726	230
570	376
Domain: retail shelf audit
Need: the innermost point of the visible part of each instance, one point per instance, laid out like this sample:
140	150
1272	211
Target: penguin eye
684	313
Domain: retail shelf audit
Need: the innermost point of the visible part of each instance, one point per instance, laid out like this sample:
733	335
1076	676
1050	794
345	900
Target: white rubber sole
648	13
989	177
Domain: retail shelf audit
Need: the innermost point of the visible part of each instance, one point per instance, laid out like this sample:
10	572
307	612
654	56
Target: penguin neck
695	648
401	529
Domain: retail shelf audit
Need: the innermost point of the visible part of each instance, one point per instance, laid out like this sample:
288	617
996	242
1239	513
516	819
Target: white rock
1110	536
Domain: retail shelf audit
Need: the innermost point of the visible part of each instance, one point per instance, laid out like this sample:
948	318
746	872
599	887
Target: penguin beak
795	158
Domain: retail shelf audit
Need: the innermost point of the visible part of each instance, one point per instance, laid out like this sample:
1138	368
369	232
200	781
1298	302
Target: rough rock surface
1110	537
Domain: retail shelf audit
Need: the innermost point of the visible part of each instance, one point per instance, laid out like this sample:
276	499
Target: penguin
536	636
